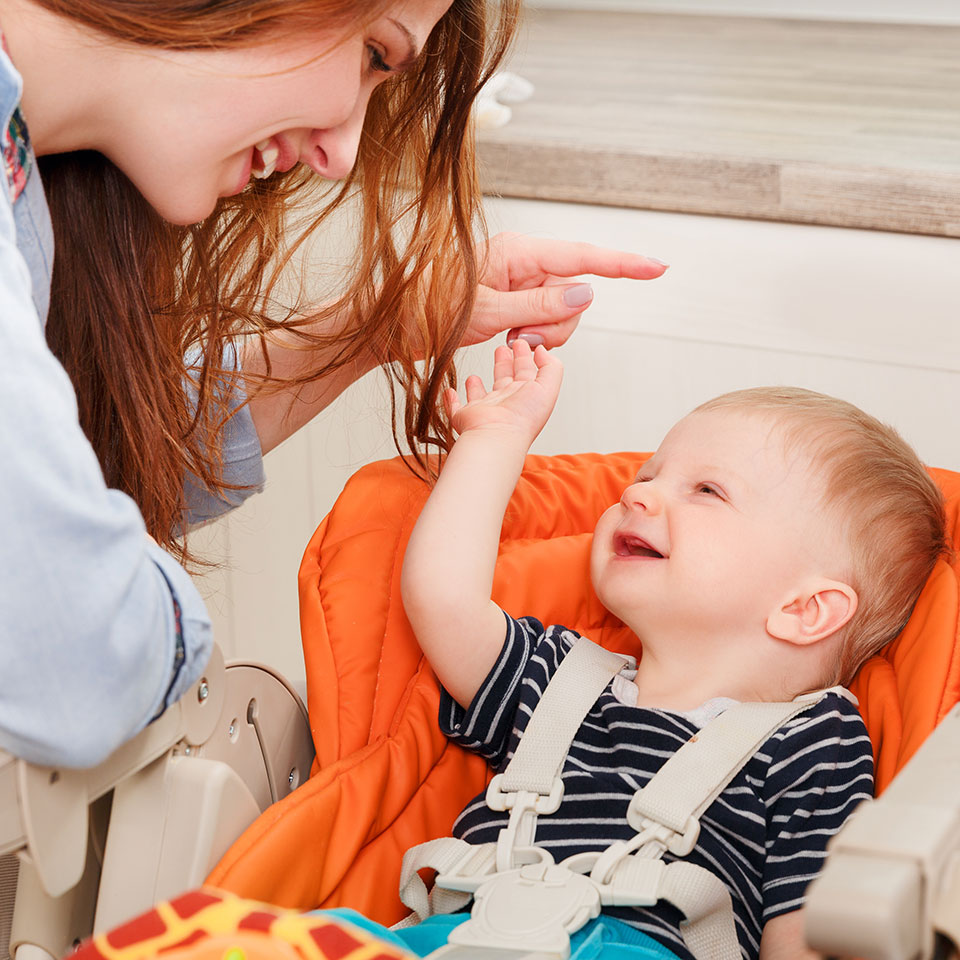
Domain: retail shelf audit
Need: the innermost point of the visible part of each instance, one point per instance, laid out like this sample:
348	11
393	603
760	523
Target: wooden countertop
850	124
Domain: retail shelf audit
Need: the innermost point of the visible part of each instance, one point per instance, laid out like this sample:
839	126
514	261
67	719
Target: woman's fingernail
662	263
578	296
534	339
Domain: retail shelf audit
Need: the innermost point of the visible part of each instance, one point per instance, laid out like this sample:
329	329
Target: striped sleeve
485	726
820	770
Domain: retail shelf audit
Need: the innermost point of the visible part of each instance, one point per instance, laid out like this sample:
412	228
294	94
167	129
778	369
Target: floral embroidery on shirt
15	144
16	154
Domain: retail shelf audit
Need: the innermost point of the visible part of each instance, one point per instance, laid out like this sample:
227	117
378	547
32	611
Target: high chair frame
91	848
891	886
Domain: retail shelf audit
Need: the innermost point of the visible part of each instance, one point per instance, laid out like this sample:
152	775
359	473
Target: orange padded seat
385	778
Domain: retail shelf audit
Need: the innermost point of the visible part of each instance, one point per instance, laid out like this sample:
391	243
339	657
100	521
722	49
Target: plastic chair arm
892	880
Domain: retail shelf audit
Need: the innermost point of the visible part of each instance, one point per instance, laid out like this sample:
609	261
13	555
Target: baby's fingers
475	389
502	366
549	368
451	400
524	365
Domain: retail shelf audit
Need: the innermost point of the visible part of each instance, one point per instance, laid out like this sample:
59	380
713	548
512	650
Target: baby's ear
815	612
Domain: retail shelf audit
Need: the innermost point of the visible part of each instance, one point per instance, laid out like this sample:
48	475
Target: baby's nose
641	496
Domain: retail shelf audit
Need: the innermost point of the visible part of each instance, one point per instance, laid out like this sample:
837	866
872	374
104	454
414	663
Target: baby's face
713	532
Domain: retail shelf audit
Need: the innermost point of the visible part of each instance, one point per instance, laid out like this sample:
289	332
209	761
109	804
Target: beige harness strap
582	676
708	929
698	772
453	858
531	783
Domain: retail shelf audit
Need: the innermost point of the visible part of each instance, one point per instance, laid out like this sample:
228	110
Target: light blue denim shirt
89	645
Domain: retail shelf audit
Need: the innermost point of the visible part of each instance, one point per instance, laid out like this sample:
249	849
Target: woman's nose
642	496
333	152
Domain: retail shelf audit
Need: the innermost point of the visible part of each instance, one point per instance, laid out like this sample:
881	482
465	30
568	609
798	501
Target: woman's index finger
573	259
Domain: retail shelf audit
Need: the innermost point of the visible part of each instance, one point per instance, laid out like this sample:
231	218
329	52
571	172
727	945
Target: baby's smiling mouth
627	545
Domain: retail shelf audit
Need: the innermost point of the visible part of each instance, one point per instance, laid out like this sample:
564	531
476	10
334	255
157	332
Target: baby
775	540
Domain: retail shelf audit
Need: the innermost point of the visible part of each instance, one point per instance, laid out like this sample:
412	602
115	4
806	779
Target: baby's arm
449	564
783	939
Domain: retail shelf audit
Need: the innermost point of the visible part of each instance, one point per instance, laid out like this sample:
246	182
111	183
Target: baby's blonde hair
890	509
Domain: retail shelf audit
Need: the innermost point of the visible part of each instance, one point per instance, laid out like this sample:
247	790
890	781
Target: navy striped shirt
764	836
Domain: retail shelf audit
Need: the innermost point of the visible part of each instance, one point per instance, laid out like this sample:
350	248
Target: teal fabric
604	937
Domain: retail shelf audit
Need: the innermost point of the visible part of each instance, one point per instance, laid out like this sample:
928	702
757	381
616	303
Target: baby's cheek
600	545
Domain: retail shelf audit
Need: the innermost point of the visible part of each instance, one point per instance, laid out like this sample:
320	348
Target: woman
174	137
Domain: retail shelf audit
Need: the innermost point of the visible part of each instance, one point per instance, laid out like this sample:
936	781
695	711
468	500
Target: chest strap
510	880
531	783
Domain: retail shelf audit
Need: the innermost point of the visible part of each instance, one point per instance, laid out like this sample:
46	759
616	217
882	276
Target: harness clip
499	800
679	843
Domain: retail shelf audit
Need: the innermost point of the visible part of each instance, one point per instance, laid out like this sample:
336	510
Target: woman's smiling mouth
265	156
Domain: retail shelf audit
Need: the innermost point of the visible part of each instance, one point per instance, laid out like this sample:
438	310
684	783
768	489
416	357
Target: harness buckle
500	800
533	908
470	871
678	842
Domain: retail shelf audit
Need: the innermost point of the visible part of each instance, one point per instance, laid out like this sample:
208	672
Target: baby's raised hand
525	387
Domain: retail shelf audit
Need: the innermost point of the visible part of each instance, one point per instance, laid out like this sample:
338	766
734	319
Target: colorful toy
210	925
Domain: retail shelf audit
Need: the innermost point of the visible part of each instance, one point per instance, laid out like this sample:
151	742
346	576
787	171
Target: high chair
83	850
385	778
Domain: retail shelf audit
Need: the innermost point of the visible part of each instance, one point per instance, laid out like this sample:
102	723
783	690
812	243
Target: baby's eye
708	488
377	63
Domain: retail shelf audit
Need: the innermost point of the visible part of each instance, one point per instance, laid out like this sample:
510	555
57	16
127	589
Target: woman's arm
99	628
278	413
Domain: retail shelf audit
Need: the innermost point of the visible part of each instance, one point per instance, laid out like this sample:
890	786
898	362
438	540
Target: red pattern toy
210	925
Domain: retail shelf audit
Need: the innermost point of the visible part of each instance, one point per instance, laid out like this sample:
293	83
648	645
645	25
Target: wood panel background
851	124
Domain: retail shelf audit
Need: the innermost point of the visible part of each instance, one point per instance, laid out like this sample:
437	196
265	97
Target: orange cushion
385	778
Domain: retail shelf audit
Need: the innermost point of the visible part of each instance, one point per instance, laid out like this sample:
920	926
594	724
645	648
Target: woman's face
198	125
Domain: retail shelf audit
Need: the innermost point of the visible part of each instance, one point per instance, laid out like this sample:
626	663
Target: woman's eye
377	62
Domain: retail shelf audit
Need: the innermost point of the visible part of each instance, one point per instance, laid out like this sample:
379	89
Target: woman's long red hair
133	295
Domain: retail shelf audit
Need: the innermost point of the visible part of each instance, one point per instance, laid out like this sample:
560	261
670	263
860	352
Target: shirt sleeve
99	628
530	656
819	772
240	448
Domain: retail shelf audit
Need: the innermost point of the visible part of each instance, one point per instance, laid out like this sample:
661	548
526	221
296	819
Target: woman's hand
525	286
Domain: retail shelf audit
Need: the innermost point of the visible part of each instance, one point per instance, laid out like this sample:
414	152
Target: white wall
893	11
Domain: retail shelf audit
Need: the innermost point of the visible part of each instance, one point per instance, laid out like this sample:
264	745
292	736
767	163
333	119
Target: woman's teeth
268	159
